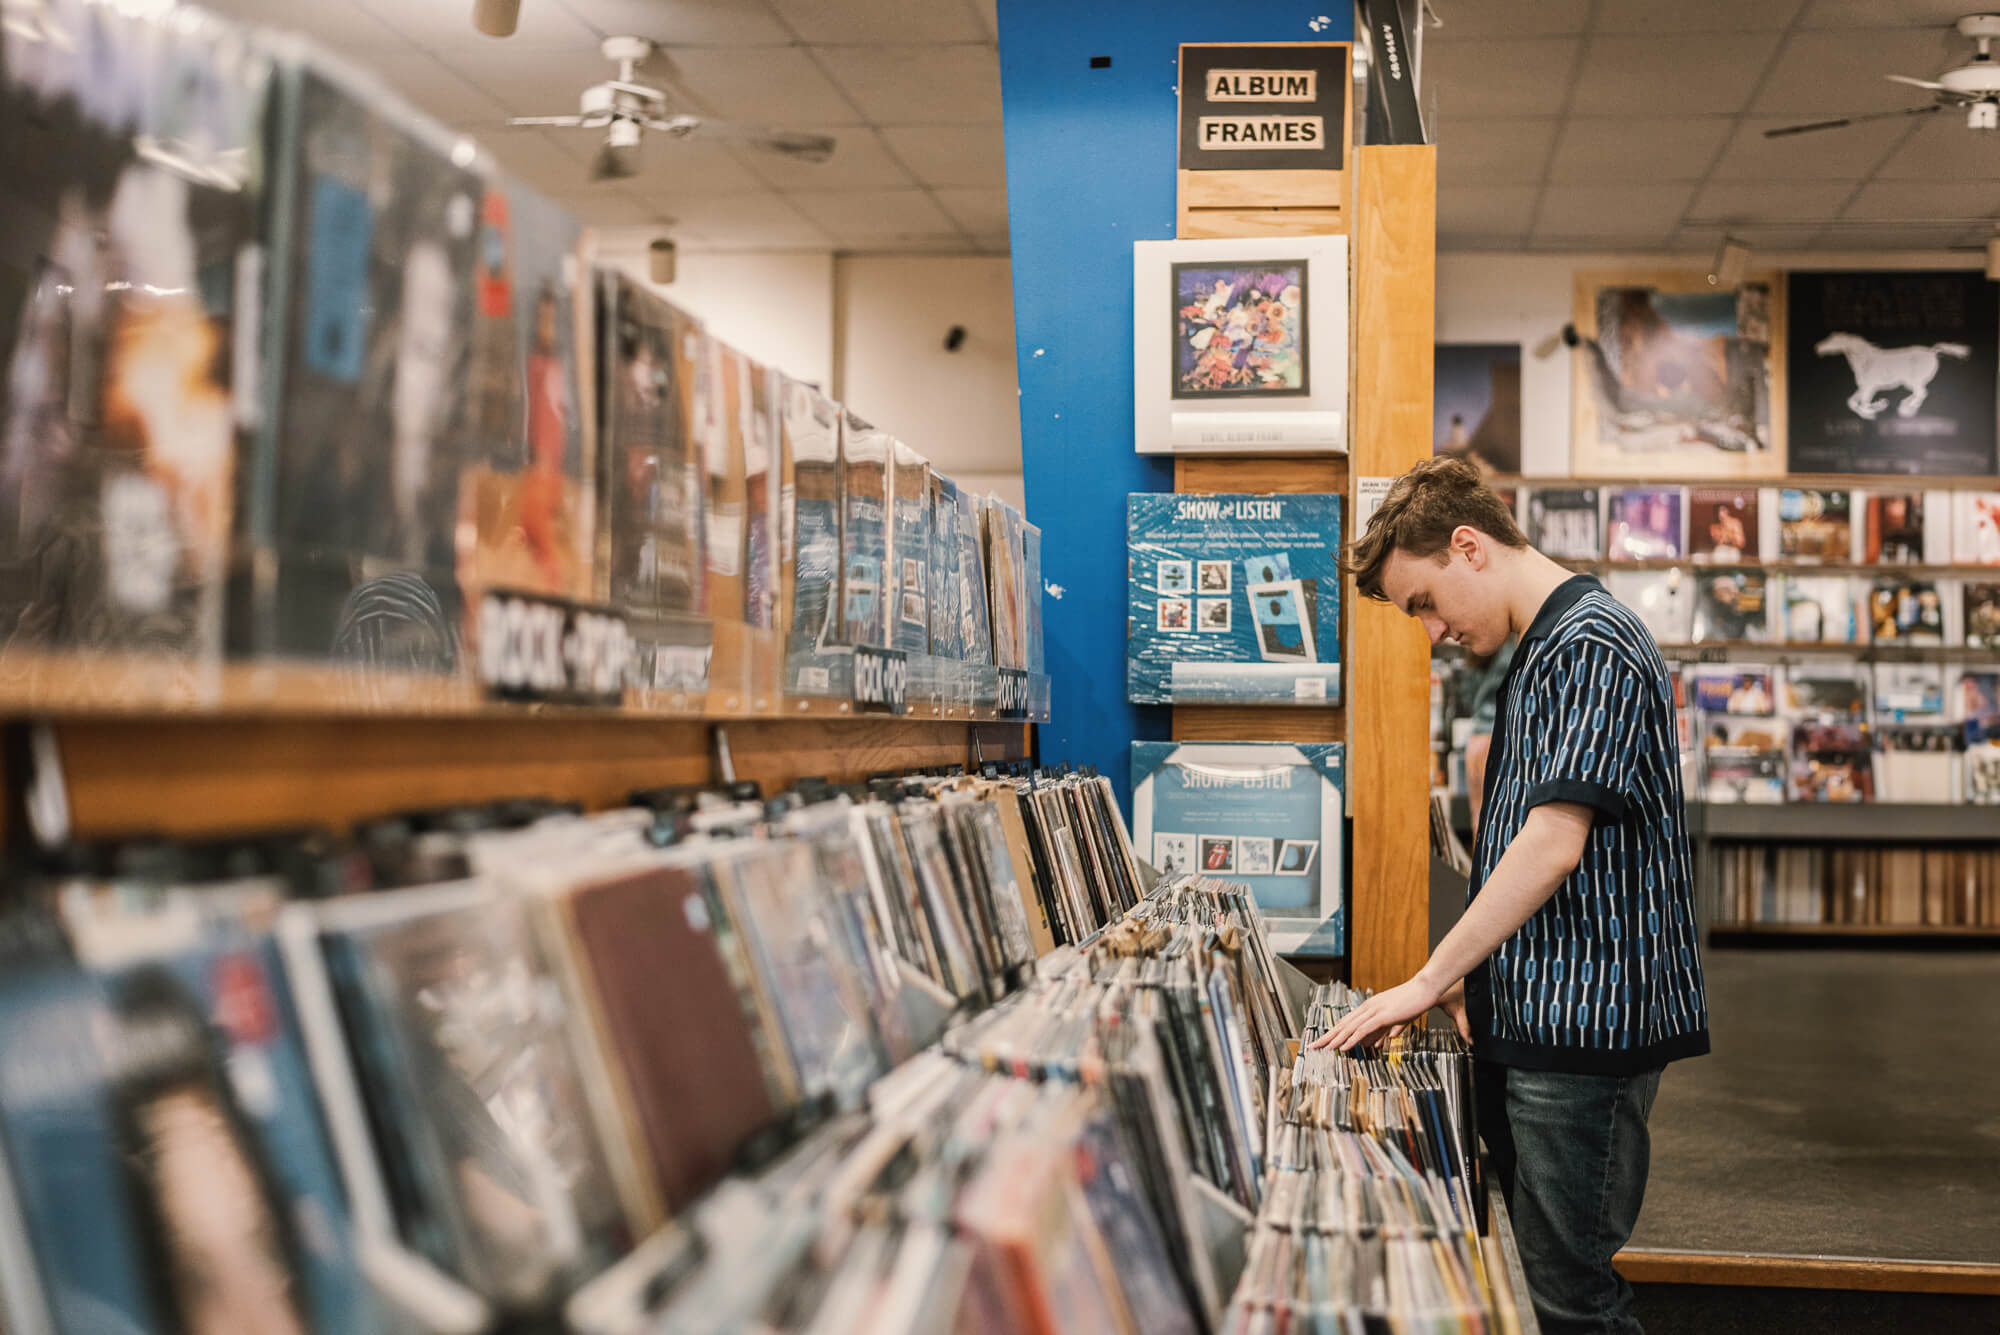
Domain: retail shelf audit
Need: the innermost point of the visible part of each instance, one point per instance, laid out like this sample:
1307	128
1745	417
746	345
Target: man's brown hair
1420	513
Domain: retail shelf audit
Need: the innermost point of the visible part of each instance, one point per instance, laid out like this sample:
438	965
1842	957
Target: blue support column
1090	170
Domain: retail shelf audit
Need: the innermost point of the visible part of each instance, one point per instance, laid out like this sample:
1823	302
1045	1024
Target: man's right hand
1452	1003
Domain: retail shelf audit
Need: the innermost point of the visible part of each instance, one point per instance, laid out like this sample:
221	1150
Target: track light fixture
1731	263
496	18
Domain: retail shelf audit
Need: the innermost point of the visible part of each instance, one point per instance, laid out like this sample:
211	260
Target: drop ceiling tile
939	243
1886	238
1611	210
1695	16
609	208
1908	202
1691	74
1976	236
976	211
533	155
1633	242
446	26
1773	201
1678	148
951	154
1828	155
1509	18
527	81
683	22
993	243
1940	148
989	14
762	220
872	22
1875	14
859	162
1758	236
437	91
919	85
1478	79
1485	210
777	86
1497	151
851	216
680	167
1839	73
341	27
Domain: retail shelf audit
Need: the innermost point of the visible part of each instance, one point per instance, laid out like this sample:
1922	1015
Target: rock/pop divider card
1234	599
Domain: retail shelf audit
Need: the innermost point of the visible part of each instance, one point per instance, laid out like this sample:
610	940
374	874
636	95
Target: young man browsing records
1574	971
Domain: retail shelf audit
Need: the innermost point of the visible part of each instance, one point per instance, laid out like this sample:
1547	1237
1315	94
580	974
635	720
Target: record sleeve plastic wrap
1267	815
1233	599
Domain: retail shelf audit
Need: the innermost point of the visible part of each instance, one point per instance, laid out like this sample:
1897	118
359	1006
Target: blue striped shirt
1606	977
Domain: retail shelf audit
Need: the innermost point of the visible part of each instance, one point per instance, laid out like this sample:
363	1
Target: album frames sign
1269	107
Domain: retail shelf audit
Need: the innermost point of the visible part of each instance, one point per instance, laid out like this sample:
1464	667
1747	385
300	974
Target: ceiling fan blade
1811	127
801	144
566	122
1915	83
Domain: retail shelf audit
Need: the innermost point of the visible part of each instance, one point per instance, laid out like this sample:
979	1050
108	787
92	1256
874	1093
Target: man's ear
1469	542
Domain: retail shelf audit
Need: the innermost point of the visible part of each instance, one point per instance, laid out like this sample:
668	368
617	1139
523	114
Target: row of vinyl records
1757	884
1374	1210
1736	524
1829	731
1745	606
458	1098
291	371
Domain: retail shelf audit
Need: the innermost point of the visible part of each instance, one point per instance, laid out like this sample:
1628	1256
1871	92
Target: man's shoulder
1599	627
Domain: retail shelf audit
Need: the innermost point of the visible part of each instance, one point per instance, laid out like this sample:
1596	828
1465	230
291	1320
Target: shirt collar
1567	594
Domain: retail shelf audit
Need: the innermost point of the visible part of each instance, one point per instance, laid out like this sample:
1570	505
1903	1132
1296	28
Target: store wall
776	306
891	315
1525	299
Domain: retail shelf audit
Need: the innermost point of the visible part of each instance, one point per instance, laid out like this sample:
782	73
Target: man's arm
1541	856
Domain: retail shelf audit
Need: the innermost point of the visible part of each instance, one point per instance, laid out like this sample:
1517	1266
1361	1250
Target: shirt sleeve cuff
1607	802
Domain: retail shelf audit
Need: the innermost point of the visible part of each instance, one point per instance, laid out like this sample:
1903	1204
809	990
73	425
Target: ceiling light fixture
496	18
1993	257
1731	263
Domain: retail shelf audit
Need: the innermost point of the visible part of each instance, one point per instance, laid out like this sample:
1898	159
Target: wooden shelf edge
1642	1266
1855	929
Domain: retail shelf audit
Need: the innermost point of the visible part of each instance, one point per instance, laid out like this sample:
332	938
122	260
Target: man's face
1457	601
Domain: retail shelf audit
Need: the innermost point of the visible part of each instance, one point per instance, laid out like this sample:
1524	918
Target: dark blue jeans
1569	1155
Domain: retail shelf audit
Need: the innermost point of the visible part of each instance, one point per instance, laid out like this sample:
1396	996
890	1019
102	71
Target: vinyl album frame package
718	378
756	408
1906	611
947	636
910	551
865	585
129	312
1732	605
811	424
1006	582
1815	524
1240	345
1563	523
1233	599
1266	815
354	486
1646	524
1723	524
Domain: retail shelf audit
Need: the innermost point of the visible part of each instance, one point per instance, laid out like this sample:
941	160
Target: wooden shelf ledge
1808	1272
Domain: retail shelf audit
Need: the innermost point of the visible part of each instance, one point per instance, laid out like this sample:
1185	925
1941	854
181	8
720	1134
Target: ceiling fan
625	109
1973	86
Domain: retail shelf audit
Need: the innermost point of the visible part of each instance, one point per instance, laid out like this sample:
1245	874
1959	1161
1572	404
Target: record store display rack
836	1062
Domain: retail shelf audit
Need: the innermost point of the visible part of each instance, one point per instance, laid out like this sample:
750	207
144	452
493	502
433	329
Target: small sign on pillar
1264	130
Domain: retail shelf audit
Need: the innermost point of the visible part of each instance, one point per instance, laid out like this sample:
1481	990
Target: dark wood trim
1809	1272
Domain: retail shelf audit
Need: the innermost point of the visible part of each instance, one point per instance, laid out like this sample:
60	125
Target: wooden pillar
1394	235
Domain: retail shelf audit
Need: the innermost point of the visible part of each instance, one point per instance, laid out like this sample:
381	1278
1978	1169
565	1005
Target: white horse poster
1893	372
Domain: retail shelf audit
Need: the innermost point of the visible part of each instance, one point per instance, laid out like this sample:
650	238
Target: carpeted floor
1851	1107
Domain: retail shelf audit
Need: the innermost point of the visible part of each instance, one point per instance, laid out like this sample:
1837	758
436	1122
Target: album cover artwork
1004	584
1982	773
649	475
126	298
976	629
1722	524
1731	606
1742	760
1905	611
1832	762
1476	405
1240	329
1896	527
1892	372
864	534
1233	598
1916	763
524	496
1562	523
716	371
1031	580
1677	378
1975	528
947	616
364	448
1982	615
1733	688
1821	609
1645	524
1827	689
1266	815
1814	524
910	550
812	445
1664	600
759	391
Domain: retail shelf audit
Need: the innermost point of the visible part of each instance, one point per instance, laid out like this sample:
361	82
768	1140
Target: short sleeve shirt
1606	977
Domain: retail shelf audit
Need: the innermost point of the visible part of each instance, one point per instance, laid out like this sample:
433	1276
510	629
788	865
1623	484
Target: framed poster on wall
1675	377
1893	372
1240	345
1476	399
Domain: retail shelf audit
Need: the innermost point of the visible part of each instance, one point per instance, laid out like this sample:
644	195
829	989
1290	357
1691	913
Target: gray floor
1851	1107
